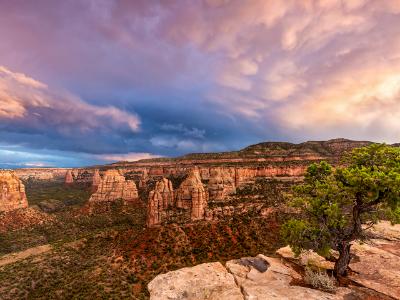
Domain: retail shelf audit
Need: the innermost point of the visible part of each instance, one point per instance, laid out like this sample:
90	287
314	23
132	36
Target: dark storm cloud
111	79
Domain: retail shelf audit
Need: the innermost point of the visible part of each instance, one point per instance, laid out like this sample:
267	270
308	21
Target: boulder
306	258
209	281
12	192
51	205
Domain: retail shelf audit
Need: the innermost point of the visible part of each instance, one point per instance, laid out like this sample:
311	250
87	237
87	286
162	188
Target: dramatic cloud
27	101
203	75
316	68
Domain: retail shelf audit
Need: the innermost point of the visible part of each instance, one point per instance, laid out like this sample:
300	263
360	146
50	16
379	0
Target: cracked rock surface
251	278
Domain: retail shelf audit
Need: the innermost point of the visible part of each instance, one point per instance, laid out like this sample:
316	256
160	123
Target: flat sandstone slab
250	278
378	267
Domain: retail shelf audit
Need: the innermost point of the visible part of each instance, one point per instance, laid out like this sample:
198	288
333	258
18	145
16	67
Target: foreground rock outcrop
375	263
113	186
252	278
12	192
375	275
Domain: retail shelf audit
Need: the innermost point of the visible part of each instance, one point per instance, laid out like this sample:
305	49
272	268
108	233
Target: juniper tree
336	206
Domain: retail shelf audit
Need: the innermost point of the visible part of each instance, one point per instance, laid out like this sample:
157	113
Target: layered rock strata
48	174
12	192
113	186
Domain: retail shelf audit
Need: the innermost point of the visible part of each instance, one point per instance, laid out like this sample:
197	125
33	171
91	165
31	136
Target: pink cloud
25	100
132	156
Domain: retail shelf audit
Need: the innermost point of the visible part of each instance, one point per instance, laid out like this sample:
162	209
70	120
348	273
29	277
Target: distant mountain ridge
266	151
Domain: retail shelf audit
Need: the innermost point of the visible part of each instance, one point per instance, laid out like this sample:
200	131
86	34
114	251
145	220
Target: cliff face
41	174
12	192
221	183
113	186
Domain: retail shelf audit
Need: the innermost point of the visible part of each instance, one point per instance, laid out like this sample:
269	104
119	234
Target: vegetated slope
110	254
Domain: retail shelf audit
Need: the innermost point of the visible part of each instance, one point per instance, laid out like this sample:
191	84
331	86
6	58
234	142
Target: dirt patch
14	257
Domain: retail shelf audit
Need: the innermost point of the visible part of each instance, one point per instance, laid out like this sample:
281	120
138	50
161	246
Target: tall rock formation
192	195
69	179
113	186
220	184
159	199
144	178
12	192
96	180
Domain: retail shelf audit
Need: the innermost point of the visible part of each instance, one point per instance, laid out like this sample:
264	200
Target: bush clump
319	280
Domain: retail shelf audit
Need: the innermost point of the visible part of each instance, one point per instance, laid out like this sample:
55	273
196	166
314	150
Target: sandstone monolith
12	192
159	199
192	195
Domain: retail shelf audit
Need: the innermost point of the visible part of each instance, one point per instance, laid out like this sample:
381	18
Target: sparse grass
74	195
319	279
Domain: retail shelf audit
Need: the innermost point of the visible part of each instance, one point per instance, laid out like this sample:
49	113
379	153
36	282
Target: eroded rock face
220	184
12	192
69	179
192	195
159	199
113	186
96	180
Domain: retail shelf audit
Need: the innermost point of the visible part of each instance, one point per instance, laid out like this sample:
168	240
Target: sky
87	82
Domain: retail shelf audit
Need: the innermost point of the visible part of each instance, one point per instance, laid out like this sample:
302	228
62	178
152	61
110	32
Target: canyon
144	218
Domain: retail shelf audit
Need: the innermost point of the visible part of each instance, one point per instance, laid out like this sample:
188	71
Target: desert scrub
319	279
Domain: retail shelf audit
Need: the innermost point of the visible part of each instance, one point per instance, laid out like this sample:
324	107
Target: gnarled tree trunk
344	259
